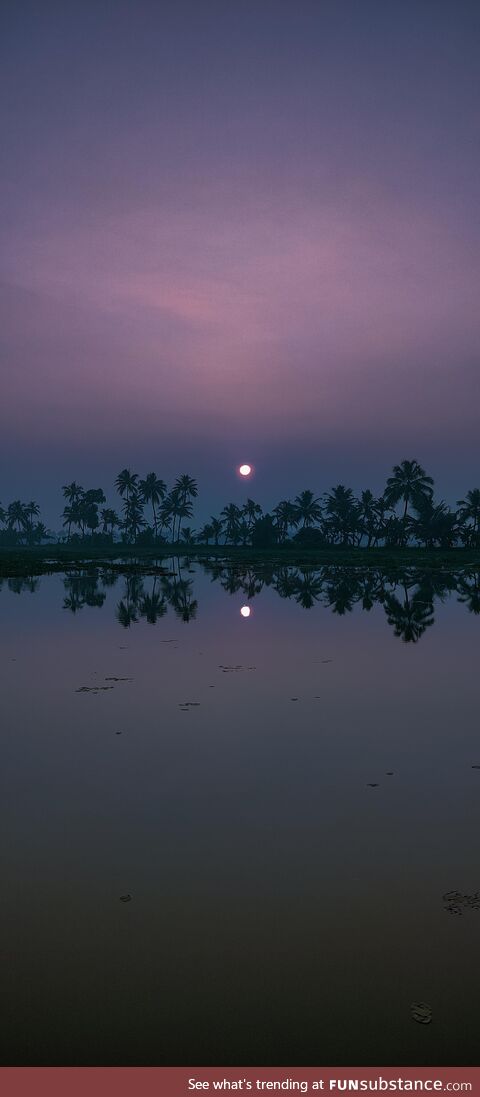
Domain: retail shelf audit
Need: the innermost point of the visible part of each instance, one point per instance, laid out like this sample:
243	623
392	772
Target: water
286	859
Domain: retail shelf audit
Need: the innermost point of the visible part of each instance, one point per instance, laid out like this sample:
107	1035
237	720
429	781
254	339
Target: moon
245	470
245	611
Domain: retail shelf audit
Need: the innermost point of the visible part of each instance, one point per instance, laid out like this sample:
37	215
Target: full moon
245	470
245	611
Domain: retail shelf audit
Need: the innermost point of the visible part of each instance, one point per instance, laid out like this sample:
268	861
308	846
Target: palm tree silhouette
470	512
109	519
342	514
251	511
17	515
152	490
72	492
286	516
308	509
133	521
231	522
205	534
126	483
410	483
216	527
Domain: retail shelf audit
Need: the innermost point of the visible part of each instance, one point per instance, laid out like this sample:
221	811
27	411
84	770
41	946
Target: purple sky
239	231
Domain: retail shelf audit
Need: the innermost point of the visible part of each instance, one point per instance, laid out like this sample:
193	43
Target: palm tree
286	516
343	516
470	512
308	509
185	489
133	521
435	524
205	534
251	511
72	492
68	515
109	519
216	527
126	483
188	535
409	483
166	514
17	515
32	510
368	515
153	490
231	522
180	509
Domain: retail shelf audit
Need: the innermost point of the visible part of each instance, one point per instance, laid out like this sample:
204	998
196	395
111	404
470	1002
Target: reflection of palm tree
82	590
126	614
184	605
308	589
286	582
152	606
468	587
411	618
341	591
128	607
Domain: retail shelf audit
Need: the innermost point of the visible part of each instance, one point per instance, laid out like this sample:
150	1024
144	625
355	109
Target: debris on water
168	641
421	1012
326	660
229	668
93	689
113	679
125	898
455	900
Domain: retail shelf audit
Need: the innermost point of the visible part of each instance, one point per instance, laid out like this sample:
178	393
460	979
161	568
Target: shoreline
47	559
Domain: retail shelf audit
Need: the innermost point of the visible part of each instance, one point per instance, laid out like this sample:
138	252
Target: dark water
283	911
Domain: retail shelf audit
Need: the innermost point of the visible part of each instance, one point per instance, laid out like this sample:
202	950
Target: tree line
152	514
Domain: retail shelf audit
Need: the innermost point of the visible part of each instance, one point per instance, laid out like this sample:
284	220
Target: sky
238	231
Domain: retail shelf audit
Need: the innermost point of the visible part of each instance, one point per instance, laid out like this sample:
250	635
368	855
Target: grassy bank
47	559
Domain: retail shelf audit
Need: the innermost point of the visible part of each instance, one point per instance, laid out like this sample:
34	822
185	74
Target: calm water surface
283	911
